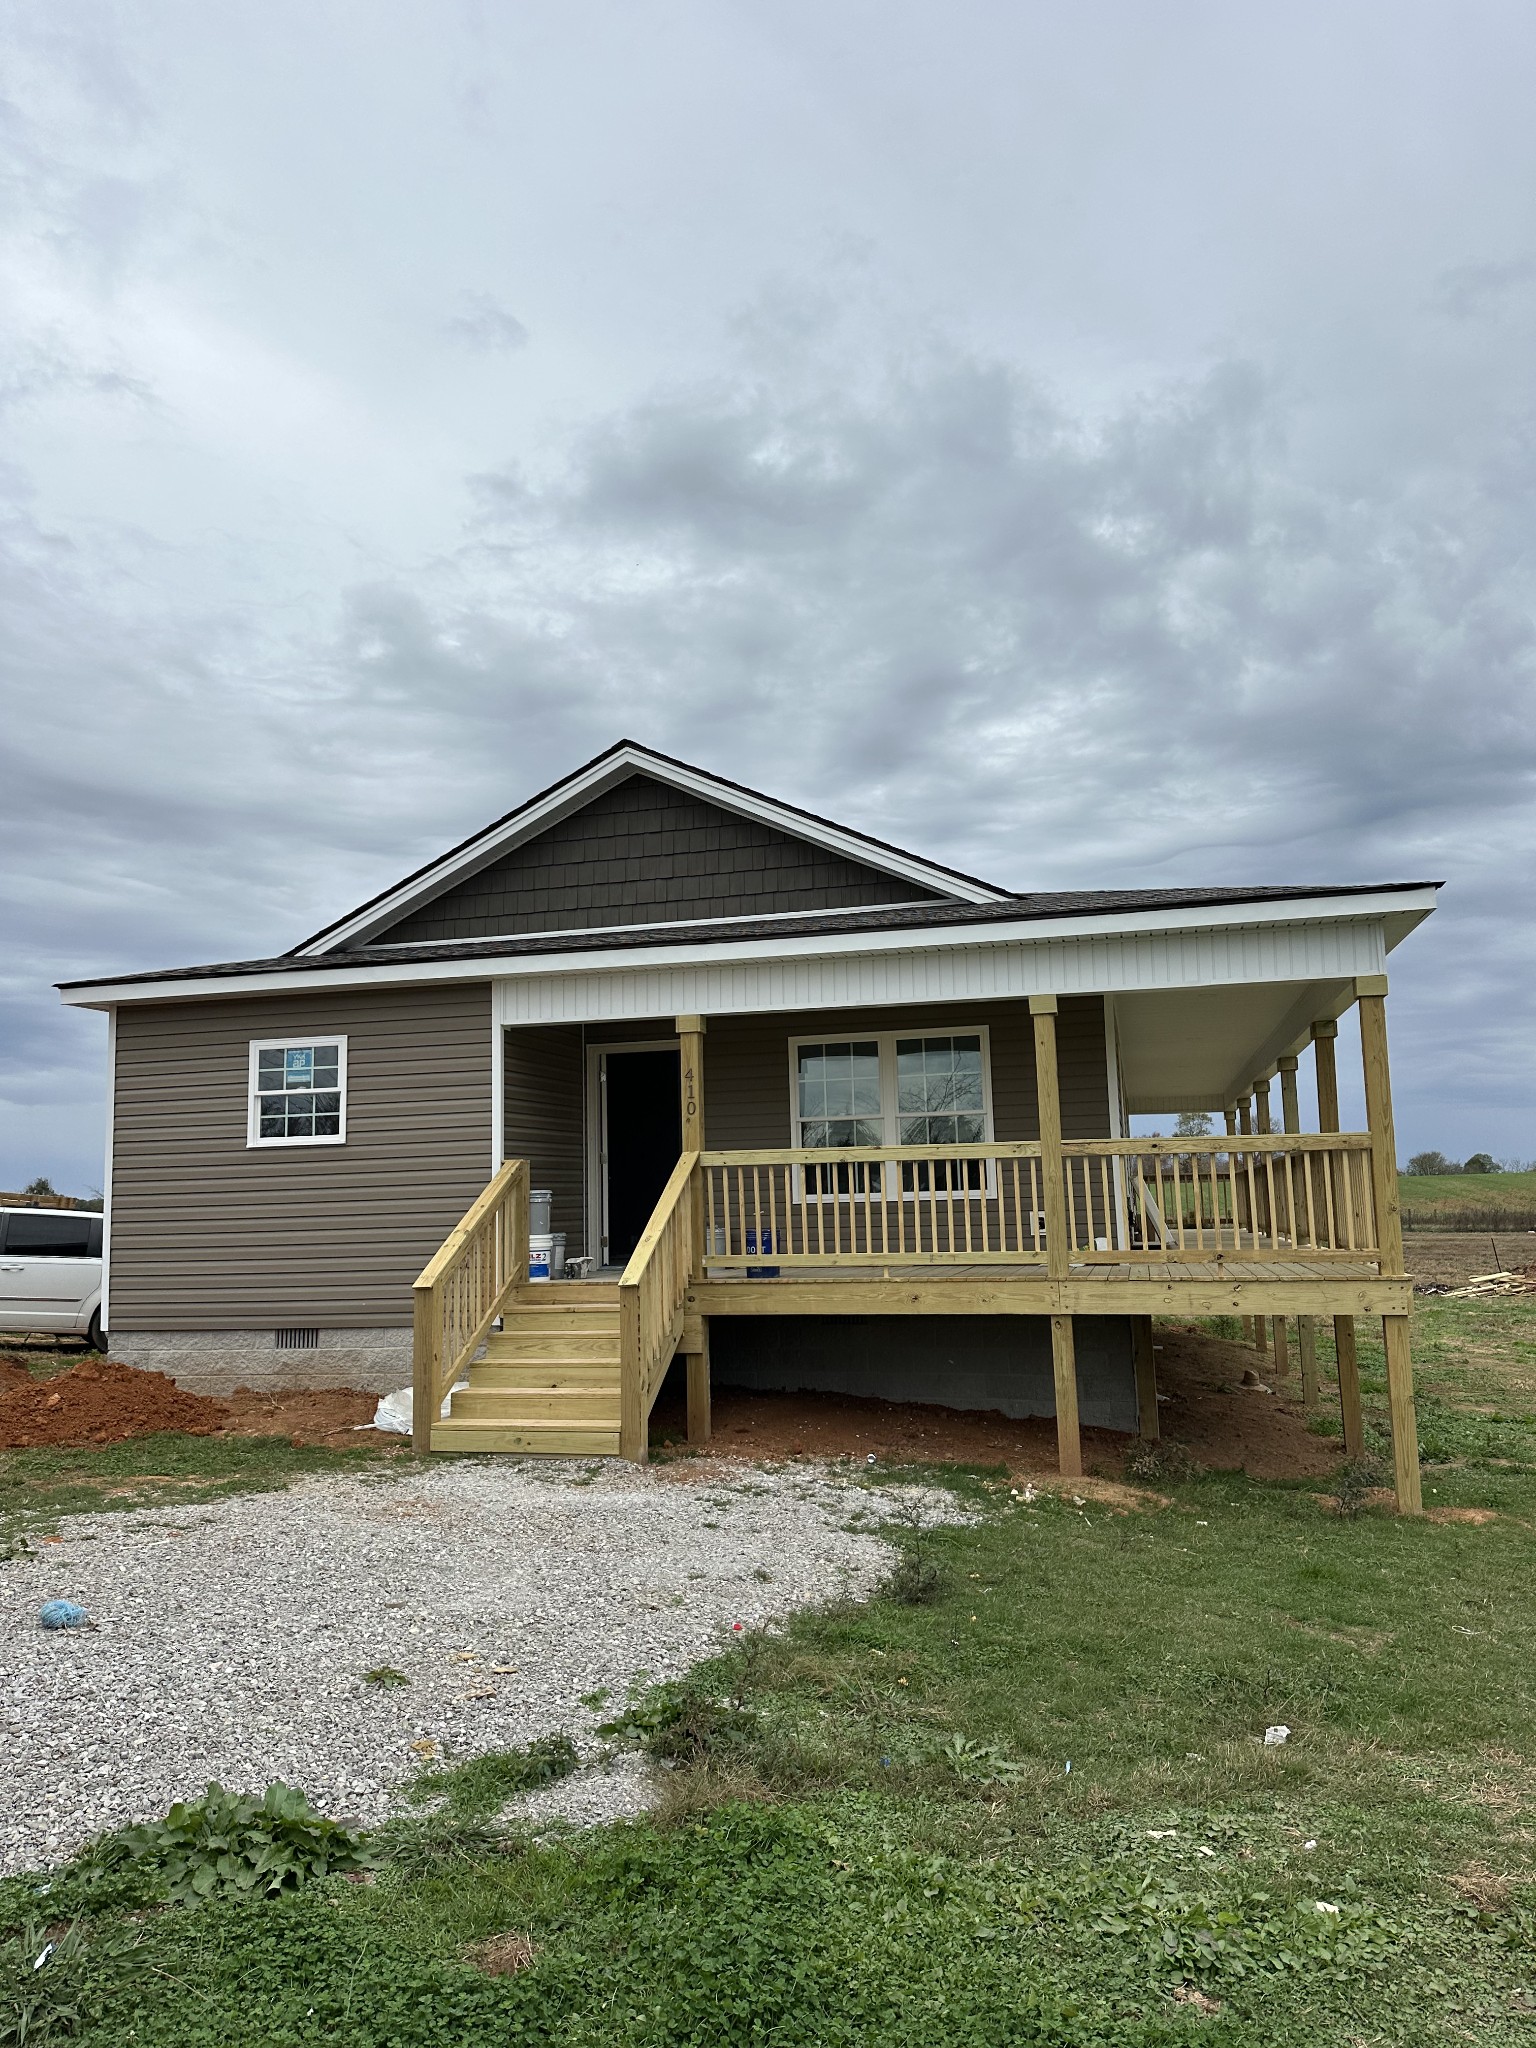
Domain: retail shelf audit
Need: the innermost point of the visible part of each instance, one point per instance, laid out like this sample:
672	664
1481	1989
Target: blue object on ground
62	1614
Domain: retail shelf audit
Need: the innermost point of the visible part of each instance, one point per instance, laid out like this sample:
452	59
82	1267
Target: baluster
1349	1199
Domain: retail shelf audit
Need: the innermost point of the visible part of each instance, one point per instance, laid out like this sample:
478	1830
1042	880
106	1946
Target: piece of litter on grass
1273	1737
1161	1834
48	1949
1069	1766
1201	1850
1309	1845
1324	1906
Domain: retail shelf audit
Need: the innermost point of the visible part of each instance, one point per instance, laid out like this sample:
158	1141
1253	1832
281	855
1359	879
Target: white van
50	1272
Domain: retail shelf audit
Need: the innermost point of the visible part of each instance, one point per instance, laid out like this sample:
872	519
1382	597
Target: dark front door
643	1135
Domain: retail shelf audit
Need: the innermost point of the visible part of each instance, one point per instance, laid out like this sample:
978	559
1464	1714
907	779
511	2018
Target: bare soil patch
1223	1425
304	1415
1449	1258
101	1402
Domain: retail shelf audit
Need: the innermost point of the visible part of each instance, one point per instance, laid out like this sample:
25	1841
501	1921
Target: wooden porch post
1324	1035
698	1389
1263	1124
1146	1379
1306	1329
1229	1115
1371	995
690	1046
1069	1446
1258	1336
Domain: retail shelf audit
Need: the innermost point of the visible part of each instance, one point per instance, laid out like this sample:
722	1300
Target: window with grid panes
892	1089
298	1092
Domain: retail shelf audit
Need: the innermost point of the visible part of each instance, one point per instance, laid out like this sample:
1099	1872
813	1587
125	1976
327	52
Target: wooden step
516	1405
520	1343
567	1293
553	1439
544	1372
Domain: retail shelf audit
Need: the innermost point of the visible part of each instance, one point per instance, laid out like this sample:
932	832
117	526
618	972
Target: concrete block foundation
981	1362
218	1361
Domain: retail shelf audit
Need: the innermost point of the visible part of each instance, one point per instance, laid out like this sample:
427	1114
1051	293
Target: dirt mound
101	1402
13	1374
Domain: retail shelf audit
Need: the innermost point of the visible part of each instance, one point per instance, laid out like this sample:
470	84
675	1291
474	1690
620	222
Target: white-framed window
298	1091
892	1088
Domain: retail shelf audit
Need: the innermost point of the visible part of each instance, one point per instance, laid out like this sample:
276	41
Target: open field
869	1833
1468	1201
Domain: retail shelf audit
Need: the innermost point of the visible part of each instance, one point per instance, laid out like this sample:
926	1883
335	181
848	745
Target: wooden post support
1042	1010
690	1047
1282	1349
634	1434
1306	1329
1146	1379
1306	1345
698	1391
1263	1124
1069	1442
1371	995
1405	1431
1349	1386
426	1368
1324	1032
1229	1116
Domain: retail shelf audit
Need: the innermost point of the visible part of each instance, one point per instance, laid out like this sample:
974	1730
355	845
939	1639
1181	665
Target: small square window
298	1092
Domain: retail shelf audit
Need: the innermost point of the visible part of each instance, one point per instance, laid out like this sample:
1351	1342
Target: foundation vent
296	1340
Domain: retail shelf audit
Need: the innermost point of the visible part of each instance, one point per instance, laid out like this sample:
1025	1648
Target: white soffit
1284	954
1179	1050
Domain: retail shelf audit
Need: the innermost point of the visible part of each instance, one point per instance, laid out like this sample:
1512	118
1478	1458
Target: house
826	1112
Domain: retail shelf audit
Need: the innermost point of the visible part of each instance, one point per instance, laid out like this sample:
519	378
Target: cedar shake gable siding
208	1234
644	853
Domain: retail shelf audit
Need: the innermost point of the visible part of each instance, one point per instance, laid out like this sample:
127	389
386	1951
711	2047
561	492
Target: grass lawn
1465	1201
870	1832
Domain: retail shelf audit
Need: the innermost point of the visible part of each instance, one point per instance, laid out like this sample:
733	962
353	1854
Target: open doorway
640	1125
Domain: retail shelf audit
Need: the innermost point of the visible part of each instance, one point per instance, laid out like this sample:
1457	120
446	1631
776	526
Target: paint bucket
760	1272
539	1200
557	1256
540	1248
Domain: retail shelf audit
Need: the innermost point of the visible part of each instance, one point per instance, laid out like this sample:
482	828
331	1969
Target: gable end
645	853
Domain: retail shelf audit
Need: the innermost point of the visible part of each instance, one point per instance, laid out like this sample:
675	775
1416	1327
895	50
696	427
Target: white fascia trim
539	816
1406	907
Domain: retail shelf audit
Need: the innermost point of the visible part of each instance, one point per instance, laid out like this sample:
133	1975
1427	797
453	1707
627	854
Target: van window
38	1235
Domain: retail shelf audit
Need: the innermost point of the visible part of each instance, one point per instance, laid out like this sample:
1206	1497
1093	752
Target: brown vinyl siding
644	853
747	1075
208	1234
545	1088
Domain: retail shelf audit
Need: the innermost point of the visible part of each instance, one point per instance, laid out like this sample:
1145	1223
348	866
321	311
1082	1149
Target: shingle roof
1059	903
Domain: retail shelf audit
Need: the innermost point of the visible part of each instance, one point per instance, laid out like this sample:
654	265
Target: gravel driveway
230	1640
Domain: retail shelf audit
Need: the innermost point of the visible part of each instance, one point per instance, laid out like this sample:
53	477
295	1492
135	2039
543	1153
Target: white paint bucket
557	1256
539	1200
540	1250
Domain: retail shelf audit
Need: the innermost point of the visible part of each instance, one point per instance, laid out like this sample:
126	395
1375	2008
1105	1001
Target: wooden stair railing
462	1291
653	1294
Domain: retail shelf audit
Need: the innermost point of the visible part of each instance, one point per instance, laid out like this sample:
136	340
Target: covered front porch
1277	1225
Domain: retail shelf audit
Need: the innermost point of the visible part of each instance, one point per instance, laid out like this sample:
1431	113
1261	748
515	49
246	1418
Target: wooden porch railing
1122	1201
462	1291
653	1292
1284	1196
957	1204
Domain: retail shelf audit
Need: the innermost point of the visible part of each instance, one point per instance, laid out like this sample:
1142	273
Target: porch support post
1325	1033
1371	995
1069	1443
1263	1124
1146	1379
1282	1348
690	1046
1229	1116
1258	1337
1042	1010
698	1389
1290	1117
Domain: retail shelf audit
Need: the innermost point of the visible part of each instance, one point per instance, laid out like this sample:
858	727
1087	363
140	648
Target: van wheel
94	1336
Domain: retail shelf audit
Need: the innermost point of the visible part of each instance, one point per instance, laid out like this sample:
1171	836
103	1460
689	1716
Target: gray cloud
482	324
1014	569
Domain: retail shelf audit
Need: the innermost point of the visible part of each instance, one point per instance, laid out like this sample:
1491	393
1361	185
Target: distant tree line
1480	1162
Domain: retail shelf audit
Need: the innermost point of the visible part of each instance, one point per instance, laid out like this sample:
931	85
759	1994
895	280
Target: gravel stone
230	1640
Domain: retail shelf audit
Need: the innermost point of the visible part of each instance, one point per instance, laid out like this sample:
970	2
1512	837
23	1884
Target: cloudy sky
1089	444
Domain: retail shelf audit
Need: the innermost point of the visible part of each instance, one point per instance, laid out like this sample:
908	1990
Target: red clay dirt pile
98	1402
